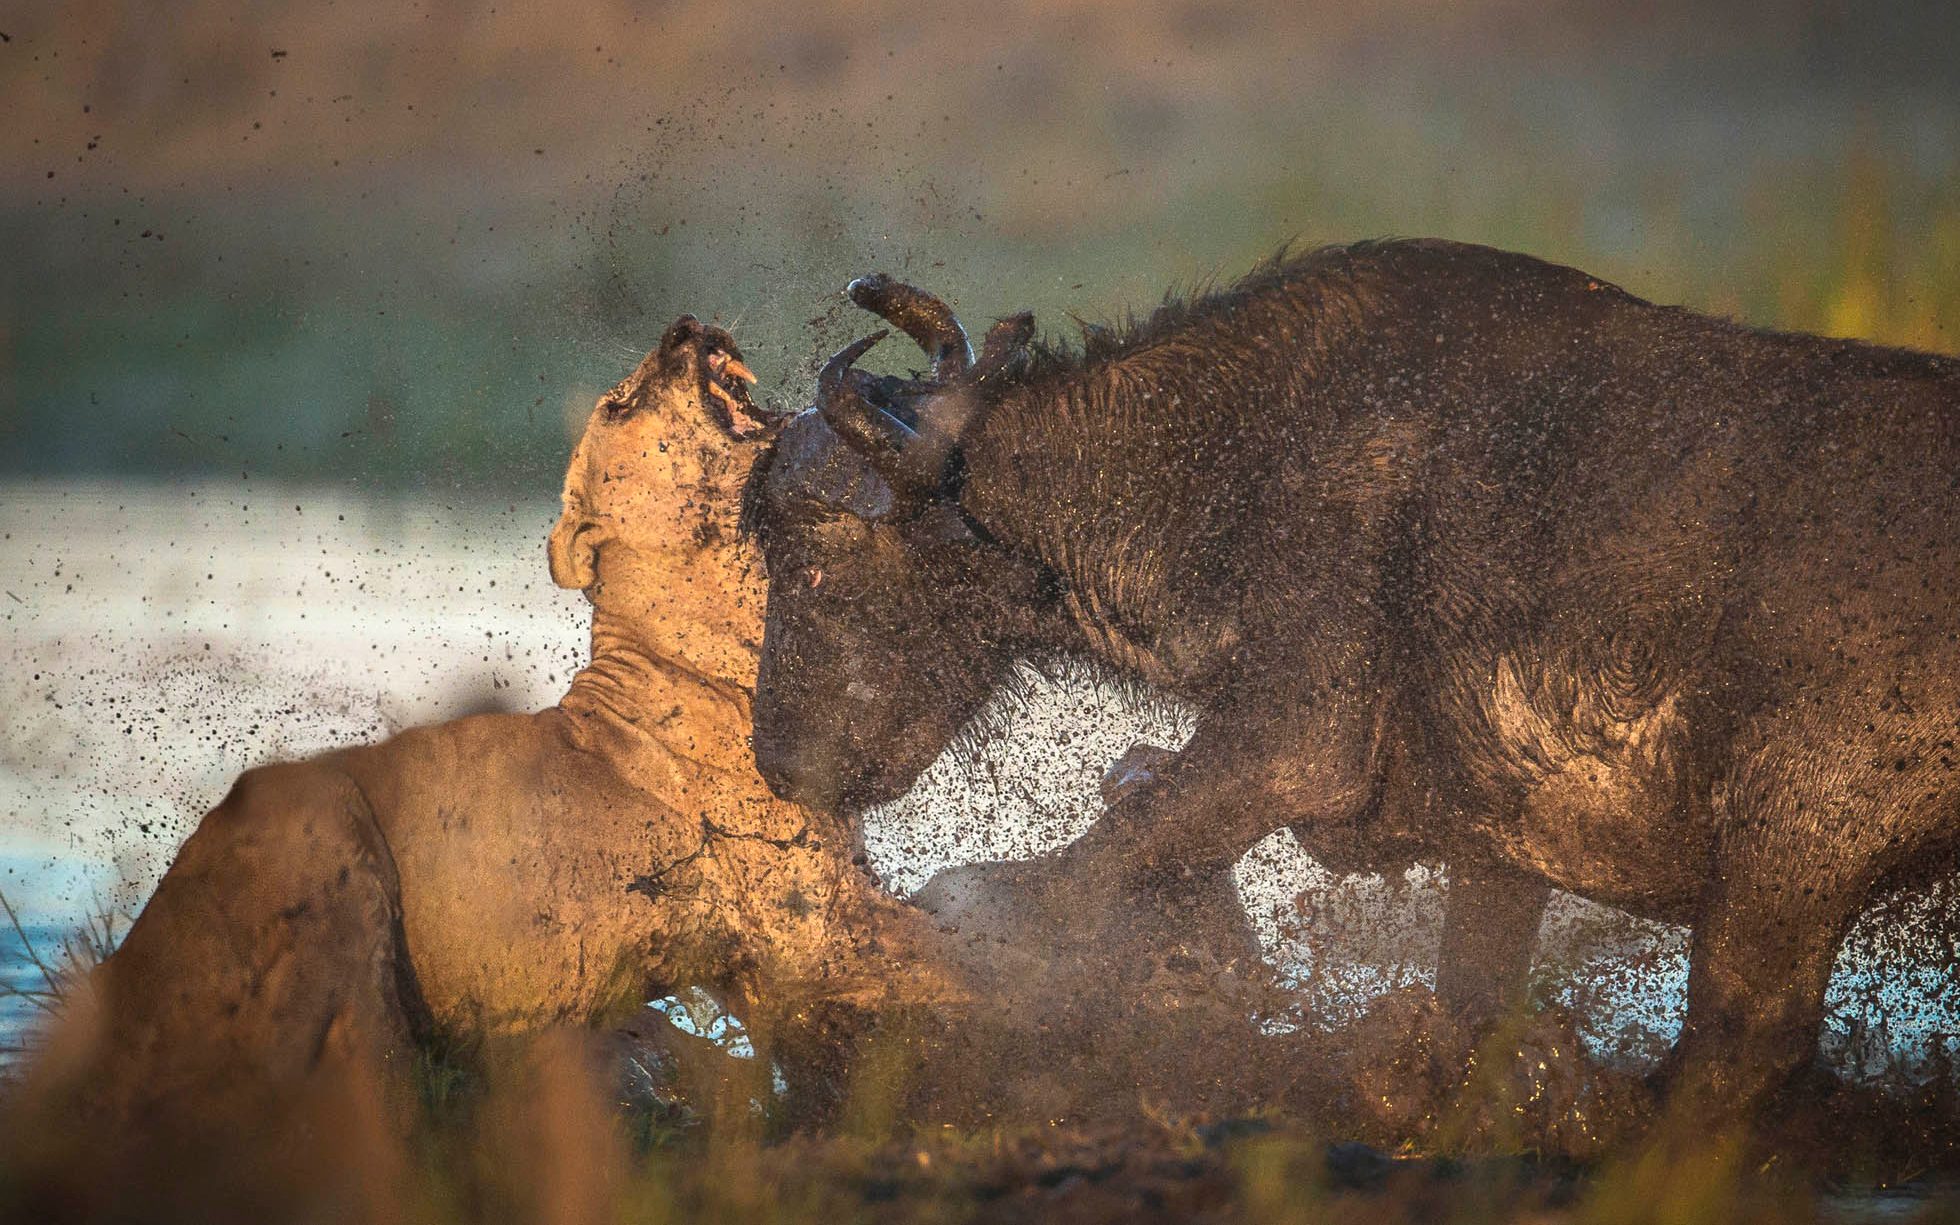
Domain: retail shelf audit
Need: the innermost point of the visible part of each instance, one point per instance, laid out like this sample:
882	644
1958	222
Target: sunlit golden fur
503	873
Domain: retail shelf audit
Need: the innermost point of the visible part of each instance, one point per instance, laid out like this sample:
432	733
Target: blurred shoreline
388	250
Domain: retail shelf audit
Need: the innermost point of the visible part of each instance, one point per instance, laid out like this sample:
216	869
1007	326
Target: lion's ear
681	345
573	551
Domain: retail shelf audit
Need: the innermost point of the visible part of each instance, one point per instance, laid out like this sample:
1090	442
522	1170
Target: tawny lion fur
503	873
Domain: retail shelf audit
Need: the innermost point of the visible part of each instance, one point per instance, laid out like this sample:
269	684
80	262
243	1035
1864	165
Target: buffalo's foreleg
1491	916
1179	824
1244	774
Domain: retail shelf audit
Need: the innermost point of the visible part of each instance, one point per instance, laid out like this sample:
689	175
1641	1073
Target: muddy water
157	640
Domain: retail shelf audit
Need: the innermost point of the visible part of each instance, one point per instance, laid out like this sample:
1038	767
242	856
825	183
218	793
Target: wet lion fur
502	873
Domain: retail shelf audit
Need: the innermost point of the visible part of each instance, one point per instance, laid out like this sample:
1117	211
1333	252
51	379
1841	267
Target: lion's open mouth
727	391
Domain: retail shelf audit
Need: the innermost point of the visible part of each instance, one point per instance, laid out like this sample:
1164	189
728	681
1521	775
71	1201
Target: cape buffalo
1456	552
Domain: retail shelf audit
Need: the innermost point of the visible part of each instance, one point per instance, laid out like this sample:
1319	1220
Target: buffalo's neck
1094	479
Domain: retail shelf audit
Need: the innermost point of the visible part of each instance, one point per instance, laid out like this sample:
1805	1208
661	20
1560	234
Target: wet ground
1268	1170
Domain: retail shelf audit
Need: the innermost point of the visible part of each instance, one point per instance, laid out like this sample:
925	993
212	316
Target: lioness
503	872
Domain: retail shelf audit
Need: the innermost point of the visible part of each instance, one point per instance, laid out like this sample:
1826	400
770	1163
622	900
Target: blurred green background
395	245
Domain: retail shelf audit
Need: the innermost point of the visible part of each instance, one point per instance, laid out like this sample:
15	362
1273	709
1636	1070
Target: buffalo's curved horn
890	446
1006	340
921	316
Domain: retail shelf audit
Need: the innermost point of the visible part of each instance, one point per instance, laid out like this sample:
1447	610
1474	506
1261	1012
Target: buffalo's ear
1006	345
1027	585
1024	589
1024	599
939	524
573	551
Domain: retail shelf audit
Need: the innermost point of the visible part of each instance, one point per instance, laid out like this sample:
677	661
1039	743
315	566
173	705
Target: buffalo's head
892	616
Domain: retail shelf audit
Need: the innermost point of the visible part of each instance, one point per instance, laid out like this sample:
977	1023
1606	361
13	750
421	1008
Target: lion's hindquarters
273	945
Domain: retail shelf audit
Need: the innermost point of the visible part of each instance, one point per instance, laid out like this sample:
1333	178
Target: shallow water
18	973
157	640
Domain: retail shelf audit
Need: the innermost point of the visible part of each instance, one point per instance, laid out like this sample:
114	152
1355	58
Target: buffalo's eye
813	577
